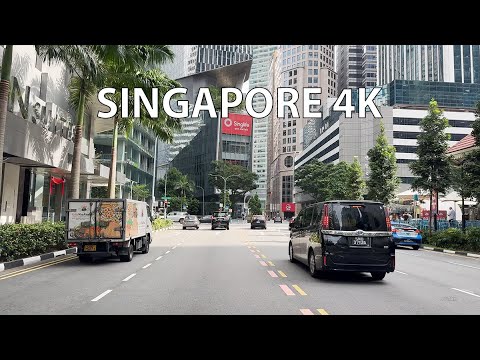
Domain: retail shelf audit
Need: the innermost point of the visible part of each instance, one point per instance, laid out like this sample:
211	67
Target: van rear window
352	217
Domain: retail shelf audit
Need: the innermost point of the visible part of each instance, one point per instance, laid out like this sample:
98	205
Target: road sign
166	198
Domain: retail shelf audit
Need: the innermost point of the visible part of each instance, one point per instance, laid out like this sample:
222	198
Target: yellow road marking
54	260
300	291
271	263
263	256
322	312
282	274
35	268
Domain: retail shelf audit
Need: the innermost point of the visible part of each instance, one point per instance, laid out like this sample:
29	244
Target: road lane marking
282	274
306	312
167	252
408	254
299	289
271	263
179	244
322	312
257	256
159	257
272	274
400	272
466	292
257	250
249	247
174	247
252	251
263	256
287	290
263	263
146	266
469	266
262	234
102	295
21	272
54	261
129	277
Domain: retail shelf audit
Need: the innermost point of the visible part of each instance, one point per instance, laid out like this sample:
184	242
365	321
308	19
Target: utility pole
203	200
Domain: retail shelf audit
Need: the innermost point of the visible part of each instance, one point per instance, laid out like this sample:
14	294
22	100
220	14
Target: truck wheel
146	246
129	257
84	258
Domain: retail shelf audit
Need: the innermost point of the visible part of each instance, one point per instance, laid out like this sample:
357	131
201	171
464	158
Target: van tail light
325	217
394	230
72	244
387	219
324	260
417	231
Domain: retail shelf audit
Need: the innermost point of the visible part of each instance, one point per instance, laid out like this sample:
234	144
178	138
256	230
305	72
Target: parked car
220	219
177	216
343	235
191	221
207	219
277	219
404	234
258	221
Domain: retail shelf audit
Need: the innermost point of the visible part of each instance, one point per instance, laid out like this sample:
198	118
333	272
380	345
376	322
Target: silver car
191	221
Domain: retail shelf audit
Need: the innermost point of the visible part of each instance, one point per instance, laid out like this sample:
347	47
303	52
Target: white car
177	216
191	221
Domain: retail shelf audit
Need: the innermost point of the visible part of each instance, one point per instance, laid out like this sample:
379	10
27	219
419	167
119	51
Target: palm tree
83	62
184	184
136	74
4	91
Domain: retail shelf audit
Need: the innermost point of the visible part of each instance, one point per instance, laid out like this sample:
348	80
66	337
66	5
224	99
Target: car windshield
259	217
190	217
358	216
402	226
220	214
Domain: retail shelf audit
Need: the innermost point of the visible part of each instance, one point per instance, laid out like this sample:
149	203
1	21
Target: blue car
406	235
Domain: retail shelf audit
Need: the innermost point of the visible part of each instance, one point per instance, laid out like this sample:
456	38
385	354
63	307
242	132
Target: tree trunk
77	149
112	178
4	91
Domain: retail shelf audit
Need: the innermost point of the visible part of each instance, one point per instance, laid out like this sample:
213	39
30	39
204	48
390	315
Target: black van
343	235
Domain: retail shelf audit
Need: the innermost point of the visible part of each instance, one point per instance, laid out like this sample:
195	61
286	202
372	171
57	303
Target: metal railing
421	224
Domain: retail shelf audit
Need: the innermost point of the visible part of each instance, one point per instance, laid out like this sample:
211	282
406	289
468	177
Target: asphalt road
240	271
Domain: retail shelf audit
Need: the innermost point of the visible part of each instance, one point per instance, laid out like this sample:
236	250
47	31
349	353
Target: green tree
238	185
185	186
83	62
217	100
355	181
432	168
315	179
476	125
173	177
136	73
194	206
339	181
141	191
175	204
255	205
383	181
4	91
99	192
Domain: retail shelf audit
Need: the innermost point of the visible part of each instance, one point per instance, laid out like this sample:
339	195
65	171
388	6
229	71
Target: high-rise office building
444	63
262	55
296	66
356	66
208	57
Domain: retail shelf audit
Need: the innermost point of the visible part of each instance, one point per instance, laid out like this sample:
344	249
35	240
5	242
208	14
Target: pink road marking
272	273
287	290
257	256
306	312
263	263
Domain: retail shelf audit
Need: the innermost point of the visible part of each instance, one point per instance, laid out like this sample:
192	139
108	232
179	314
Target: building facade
297	66
356	66
262	55
443	63
209	57
38	146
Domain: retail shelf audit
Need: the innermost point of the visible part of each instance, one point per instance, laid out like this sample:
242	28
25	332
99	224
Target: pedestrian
451	216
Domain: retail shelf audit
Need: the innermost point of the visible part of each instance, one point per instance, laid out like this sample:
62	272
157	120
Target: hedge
455	239
19	241
161	223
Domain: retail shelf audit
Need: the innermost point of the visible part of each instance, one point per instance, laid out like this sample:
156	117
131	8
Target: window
294	131
294	122
290	123
285	132
315	63
284	141
295	72
289	148
289	131
294	140
284	149
310	80
315	71
294	148
288	161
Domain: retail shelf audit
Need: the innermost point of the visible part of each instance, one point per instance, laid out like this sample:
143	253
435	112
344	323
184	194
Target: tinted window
219	214
307	218
351	217
402	226
298	219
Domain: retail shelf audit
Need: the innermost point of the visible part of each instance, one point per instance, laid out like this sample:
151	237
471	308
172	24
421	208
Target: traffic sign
166	198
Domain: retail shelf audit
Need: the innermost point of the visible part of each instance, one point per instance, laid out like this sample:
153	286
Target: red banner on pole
288	207
56	181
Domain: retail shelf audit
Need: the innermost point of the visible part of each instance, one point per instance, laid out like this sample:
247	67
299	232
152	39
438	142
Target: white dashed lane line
466	292
102	295
401	272
129	277
468	266
158	258
146	266
167	252
173	248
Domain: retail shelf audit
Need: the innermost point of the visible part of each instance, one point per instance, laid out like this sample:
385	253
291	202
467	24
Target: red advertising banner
288	207
237	124
442	215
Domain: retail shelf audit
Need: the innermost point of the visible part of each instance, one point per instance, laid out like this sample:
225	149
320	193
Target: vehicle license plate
90	248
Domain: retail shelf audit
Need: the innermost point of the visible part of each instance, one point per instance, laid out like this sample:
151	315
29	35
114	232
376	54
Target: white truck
108	228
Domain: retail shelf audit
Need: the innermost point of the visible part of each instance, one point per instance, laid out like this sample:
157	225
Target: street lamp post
244	198
225	186
203	199
165	194
131	188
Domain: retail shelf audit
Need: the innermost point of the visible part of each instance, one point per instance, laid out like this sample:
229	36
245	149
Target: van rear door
358	234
